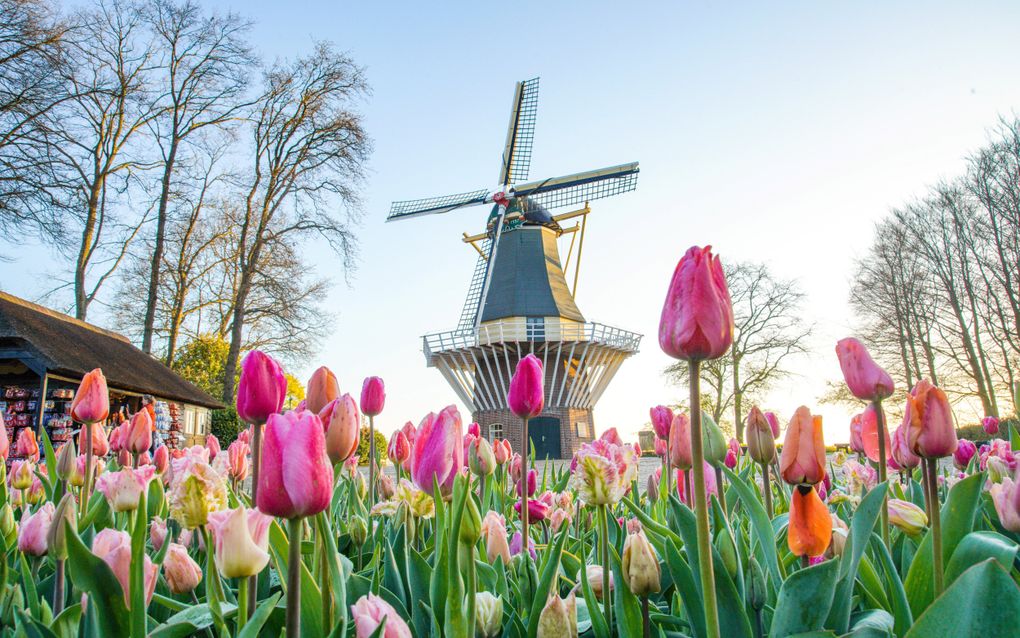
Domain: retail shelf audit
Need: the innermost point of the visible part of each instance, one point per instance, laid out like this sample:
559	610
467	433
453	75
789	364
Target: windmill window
495	432
535	328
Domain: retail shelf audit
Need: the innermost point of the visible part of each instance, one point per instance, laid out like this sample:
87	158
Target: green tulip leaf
259	618
805	600
31	627
92	575
185	623
983	601
627	608
979	546
766	546
904	618
311	598
861	527
65	625
686	586
549	572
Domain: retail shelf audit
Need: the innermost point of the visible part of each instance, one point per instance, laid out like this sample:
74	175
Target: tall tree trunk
738	396
157	249
81	301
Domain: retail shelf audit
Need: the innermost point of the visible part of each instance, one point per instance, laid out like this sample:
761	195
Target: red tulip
526	397
262	388
373	396
399	449
438	451
296	479
810	526
91	402
27	446
697	317
322	388
139	433
803	458
343	428
929	422
869	433
662	420
865	378
680	455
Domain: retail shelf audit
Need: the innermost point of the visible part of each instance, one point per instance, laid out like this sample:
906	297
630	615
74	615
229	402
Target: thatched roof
71	348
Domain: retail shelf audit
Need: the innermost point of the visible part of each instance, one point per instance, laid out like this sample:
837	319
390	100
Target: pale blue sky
773	131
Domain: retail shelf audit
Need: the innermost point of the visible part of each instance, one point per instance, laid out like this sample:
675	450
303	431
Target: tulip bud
965	451
559	617
161	459
803	457
438	451
241	537
697	317
56	539
502	451
810	526
470	522
727	551
387	488
481	459
929	422
261	389
908	517
869	433
139	433
493	531
91	402
680	454
358	530
488	615
527	395
399	449
34	529
840	531
713	440
662	420
22	475
182	573
370	611
5	444
901	452
373	396
594	574
866	380
322	388
27	445
761	445
67	460
641	570
213	445
757	590
856	440
990	424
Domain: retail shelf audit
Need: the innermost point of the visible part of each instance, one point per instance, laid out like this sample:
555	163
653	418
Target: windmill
518	300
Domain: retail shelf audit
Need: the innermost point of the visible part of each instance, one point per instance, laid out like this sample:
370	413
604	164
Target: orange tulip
803	457
322	388
91	402
929	422
810	528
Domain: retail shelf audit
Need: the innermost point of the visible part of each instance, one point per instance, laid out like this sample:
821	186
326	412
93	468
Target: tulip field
913	533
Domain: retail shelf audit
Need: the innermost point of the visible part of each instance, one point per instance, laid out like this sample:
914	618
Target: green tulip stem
646	622
664	479
701	507
524	488
880	420
242	604
256	464
86	485
371	462
294	529
604	533
934	516
766	489
721	488
58	588
472	584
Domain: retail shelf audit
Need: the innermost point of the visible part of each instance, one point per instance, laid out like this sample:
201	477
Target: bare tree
769	328
308	150
203	64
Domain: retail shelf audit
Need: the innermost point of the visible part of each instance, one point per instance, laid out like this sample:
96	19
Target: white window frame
495	433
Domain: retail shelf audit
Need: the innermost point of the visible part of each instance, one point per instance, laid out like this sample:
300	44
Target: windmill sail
435	205
474	295
520	133
581	187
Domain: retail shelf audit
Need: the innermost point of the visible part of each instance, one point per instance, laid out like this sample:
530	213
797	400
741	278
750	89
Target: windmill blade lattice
474	295
581	187
520	134
435	205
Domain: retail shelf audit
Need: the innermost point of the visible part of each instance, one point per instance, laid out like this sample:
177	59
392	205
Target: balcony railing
511	332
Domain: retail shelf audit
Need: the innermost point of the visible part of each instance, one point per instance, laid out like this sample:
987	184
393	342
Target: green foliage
226	425
203	361
380	447
976	432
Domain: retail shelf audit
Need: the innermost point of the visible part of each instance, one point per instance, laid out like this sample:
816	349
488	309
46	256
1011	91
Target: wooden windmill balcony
580	359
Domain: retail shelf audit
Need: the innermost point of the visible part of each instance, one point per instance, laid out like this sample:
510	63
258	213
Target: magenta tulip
929	422
373	396
697	317
866	380
965	451
438	452
662	419
990	424
296	477
526	397
262	388
773	421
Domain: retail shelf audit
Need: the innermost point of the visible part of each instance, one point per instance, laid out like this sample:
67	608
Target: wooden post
41	406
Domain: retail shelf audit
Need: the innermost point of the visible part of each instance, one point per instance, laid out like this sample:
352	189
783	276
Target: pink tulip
1006	498
866	380
5	443
34	529
710	485
537	510
501	450
296	477
494	537
115	436
773	421
856	439
990	424
91	402
124	458
237	455
123	489
181	571
901	452
516	463
929	422
697	317
213	445
100	442
262	388
399	449
373	396
803	458
161	459
869	433
343	428
660	447
481	459
517	545
438	451
114	548
662	420
27	446
532	483
138	434
680	455
965	451
22	474
157	533
370	611
322	388
241	538
526	397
